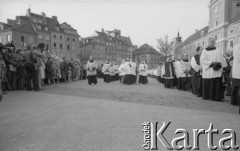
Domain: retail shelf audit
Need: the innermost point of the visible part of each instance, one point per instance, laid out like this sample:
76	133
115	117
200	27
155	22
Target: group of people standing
31	67
126	72
209	74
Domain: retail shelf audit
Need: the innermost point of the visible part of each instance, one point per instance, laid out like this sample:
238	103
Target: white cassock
236	62
194	65
105	69
235	98
133	68
112	70
143	69
122	70
176	67
207	58
91	68
128	68
181	69
212	88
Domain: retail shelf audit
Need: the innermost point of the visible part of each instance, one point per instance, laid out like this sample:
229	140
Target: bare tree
165	47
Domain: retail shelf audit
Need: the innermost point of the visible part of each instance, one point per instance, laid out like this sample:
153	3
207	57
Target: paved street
105	117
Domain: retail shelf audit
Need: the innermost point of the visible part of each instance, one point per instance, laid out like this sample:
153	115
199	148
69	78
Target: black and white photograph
119	75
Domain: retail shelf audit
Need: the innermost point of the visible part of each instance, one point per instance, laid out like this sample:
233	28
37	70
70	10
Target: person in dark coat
64	70
169	74
227	73
196	70
49	71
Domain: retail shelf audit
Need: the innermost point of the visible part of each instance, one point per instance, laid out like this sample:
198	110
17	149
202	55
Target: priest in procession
91	71
106	72
196	72
168	73
143	67
212	62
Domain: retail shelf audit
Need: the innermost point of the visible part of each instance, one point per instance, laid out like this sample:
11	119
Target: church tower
178	38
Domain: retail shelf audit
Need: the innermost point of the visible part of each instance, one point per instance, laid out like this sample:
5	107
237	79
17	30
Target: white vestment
105	68
236	62
207	58
143	69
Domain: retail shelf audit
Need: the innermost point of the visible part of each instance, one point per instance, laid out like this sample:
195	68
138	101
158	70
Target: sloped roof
146	49
127	39
109	38
196	35
51	22
25	27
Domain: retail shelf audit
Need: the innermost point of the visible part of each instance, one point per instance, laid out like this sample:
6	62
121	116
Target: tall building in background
224	26
107	45
71	41
149	54
38	28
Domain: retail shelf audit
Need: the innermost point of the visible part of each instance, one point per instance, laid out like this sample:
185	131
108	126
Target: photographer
212	63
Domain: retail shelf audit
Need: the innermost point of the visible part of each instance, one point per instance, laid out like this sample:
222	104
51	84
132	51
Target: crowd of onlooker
32	67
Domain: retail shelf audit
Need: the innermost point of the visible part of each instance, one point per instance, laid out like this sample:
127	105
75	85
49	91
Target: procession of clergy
209	74
126	73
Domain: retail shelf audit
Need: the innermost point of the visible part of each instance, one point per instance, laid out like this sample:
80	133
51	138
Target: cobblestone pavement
105	117
154	93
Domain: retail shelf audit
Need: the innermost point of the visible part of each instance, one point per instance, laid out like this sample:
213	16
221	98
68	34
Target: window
61	46
216	37
231	43
22	39
73	41
8	38
60	36
68	39
68	47
216	23
54	36
47	46
230	31
216	10
30	39
54	45
238	4
40	36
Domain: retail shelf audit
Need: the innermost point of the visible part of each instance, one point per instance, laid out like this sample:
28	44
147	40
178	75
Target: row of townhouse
59	39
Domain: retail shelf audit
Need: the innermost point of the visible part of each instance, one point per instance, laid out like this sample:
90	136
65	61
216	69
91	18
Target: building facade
149	54
38	28
71	41
224	26
106	45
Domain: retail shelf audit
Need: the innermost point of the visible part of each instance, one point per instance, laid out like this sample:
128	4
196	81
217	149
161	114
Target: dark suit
196	78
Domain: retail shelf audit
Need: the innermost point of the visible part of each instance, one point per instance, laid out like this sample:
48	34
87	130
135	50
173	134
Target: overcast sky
143	20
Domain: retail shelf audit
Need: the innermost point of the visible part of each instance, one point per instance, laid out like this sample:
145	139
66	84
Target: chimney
43	14
29	12
44	17
54	17
103	30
